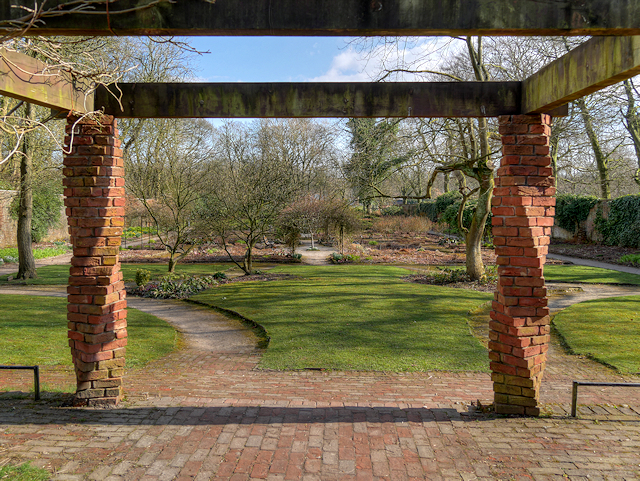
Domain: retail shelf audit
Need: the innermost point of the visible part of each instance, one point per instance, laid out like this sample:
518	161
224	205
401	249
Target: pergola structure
523	202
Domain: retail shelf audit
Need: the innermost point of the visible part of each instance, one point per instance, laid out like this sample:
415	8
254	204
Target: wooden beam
592	66
336	17
248	100
25	78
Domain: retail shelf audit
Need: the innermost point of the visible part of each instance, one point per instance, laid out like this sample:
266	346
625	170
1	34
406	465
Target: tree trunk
27	264
313	246
601	159
172	263
247	265
473	238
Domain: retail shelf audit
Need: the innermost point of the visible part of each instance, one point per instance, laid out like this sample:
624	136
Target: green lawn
589	275
33	330
59	275
607	330
357	318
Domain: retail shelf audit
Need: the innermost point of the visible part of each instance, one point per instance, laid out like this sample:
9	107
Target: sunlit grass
59	275
33	331
607	330
358	318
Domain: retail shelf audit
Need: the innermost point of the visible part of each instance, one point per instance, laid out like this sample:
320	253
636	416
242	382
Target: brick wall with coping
94	200
523	210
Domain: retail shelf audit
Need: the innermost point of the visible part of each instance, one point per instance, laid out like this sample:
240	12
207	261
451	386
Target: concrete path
202	415
315	258
204	329
590	263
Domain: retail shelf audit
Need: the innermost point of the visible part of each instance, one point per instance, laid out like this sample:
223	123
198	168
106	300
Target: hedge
572	209
622	227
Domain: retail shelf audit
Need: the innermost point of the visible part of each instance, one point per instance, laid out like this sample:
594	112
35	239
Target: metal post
36	382
574	399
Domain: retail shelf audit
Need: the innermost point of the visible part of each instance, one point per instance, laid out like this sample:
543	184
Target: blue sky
276	59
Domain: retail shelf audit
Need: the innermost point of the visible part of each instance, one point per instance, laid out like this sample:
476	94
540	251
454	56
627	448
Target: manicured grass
24	472
607	330
357	318
33	330
589	275
59	275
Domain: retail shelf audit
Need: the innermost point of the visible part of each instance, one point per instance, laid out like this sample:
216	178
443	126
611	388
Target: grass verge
606	330
588	275
357	318
33	330
59	275
23	472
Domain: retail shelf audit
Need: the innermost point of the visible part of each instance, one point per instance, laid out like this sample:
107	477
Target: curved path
212	415
204	329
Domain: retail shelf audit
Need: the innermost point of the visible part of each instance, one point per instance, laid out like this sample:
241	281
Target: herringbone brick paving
197	415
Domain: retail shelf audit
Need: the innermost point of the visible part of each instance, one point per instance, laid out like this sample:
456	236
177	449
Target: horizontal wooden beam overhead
336	17
592	66
248	100
25	78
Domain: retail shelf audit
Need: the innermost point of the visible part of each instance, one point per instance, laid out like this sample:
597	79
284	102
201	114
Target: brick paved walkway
202	415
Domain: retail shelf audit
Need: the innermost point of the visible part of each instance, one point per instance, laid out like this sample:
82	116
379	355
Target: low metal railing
36	377
574	396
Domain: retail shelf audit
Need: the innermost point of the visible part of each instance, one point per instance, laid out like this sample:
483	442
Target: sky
277	59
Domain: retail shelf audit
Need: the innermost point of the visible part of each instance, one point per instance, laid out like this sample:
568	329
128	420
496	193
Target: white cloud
414	54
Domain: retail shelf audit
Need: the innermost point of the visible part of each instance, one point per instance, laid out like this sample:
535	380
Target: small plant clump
178	287
10	254
336	258
143	276
455	275
631	258
24	472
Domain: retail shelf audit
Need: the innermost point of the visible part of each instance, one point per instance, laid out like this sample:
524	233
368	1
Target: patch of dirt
473	285
208	255
610	254
413	248
259	277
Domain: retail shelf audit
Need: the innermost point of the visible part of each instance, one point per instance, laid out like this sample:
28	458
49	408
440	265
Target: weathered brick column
523	209
94	197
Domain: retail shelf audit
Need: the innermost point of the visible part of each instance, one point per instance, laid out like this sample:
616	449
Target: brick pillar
94	197
523	209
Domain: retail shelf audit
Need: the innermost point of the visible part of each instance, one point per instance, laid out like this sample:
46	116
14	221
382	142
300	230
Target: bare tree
259	169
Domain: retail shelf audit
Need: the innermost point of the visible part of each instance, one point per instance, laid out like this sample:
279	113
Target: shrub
450	217
573	209
428	208
445	200
143	277
170	287
393	210
391	225
622	227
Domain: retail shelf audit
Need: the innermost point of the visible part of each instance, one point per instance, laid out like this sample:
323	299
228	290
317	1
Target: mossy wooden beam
25	78
594	65
335	17
248	100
